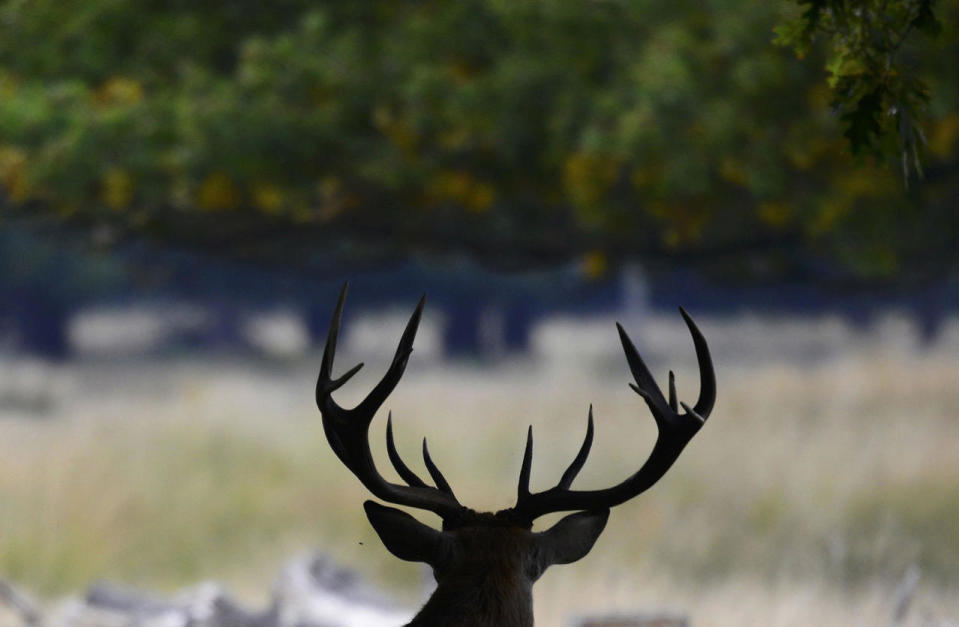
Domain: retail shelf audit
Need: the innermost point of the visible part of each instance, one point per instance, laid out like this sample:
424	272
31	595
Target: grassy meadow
827	472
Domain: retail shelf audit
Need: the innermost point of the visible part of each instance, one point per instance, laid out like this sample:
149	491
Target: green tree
519	132
874	65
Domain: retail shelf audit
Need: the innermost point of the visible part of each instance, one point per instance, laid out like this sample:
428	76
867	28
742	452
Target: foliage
872	71
515	131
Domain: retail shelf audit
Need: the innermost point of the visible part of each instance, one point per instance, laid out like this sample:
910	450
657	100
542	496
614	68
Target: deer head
485	564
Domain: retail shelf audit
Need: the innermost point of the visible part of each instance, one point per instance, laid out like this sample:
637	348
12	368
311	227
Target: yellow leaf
454	138
119	90
397	129
587	177
827	216
775	213
460	71
944	135
13	162
461	188
595	264
683	222
481	197
450	185
217	192
116	190
268	198
733	171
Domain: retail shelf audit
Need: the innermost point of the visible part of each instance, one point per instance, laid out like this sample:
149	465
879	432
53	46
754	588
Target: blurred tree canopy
521	132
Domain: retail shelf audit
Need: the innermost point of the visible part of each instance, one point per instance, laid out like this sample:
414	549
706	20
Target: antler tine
522	489
347	430
580	459
672	392
645	384
410	477
438	477
329	349
325	383
707	376
403	351
574	467
675	431
692	412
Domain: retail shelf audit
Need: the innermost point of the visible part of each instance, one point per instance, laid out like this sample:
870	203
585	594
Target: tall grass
805	498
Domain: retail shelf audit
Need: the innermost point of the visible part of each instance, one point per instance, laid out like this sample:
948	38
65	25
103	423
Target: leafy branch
879	97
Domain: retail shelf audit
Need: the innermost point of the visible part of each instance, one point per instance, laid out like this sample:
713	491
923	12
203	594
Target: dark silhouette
485	564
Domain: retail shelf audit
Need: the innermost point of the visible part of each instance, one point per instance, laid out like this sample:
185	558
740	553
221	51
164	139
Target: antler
675	431
347	430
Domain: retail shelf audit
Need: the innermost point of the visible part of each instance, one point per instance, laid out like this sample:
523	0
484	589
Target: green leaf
926	19
863	121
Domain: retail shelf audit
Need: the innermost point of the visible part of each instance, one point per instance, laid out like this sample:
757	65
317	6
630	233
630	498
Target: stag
485	563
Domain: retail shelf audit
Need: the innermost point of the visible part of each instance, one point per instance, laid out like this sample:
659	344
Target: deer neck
478	602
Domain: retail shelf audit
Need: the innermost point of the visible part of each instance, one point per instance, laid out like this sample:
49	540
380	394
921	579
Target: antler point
692	412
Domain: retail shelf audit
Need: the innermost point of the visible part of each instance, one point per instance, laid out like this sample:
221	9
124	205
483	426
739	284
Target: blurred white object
313	590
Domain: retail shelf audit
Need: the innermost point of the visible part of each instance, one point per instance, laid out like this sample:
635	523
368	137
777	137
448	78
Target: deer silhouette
484	563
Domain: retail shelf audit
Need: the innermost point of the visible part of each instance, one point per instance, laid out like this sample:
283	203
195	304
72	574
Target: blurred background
184	187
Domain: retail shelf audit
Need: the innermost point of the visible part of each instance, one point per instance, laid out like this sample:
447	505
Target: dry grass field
823	477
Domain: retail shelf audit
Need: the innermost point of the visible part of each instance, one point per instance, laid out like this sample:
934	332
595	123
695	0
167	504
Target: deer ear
568	540
404	536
